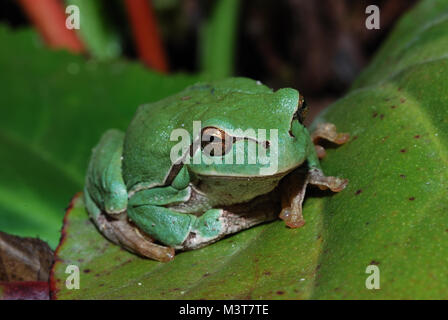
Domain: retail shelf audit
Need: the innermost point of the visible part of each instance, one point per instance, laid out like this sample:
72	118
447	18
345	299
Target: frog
154	201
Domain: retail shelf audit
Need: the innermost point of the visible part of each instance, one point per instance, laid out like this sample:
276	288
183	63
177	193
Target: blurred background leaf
55	106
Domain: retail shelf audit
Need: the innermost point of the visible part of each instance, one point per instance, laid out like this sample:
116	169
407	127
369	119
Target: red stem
49	17
146	34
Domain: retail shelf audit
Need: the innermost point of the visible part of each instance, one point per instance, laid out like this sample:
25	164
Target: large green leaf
268	261
393	213
54	108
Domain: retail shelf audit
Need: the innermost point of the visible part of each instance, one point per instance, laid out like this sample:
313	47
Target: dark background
316	46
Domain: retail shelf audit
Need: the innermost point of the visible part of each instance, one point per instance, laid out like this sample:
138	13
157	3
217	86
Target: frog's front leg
186	231
294	186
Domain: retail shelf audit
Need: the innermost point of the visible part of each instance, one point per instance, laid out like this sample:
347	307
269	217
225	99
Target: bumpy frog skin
142	200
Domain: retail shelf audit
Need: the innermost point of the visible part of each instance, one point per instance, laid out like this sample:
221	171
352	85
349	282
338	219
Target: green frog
214	159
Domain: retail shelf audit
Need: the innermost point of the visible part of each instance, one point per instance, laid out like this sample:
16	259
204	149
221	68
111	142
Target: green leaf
419	37
218	40
268	261
393	213
54	108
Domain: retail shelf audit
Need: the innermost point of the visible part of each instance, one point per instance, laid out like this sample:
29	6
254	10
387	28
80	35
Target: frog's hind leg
162	224
178	230
121	232
186	231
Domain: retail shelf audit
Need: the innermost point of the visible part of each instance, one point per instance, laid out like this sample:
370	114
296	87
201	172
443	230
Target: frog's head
250	132
249	138
237	130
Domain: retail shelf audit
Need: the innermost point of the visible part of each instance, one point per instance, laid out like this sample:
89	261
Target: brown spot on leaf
402	176
358	191
381	116
280	292
375	114
403	150
411	198
374	262
393	107
186	98
402	100
267	273
417	136
86	270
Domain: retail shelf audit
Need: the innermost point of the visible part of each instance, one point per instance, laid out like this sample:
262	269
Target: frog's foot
327	131
320	151
293	193
316	177
124	233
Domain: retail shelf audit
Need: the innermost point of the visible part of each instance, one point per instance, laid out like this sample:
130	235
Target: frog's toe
335	184
292	219
328	132
320	151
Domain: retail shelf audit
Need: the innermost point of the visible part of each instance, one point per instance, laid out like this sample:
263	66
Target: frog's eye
302	110
215	142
